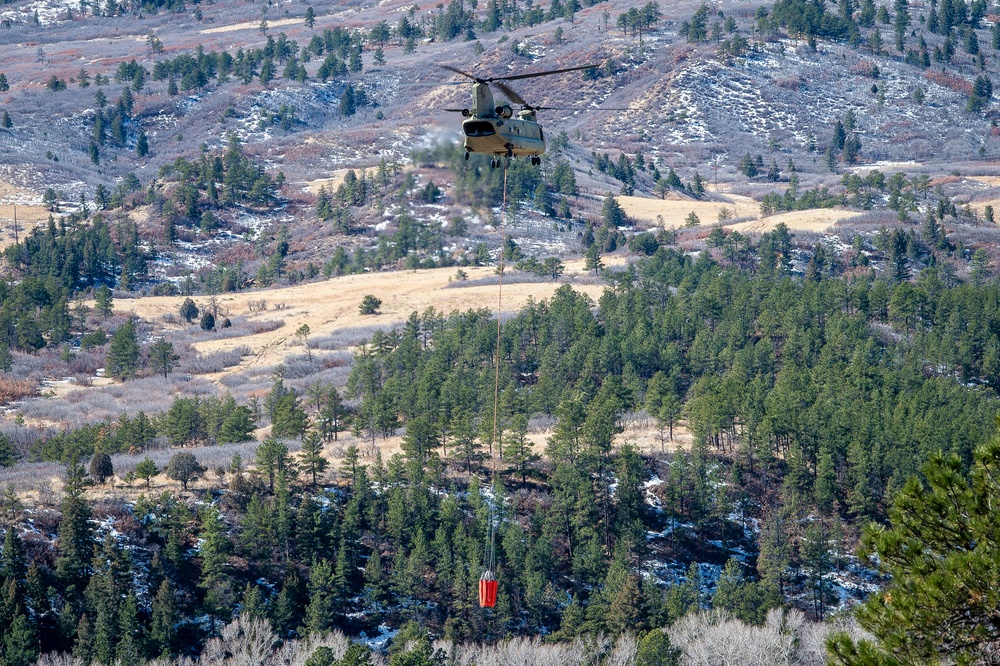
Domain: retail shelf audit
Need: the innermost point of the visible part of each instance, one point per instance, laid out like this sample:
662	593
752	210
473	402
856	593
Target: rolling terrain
748	294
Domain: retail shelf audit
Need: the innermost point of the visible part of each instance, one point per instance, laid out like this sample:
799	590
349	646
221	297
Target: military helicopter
499	129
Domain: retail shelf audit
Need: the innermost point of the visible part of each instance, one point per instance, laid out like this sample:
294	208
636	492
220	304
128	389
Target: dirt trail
252	25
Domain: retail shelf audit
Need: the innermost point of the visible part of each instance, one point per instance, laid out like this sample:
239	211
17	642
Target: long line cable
496	384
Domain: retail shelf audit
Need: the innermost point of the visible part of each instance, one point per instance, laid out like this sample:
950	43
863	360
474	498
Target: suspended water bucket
487	590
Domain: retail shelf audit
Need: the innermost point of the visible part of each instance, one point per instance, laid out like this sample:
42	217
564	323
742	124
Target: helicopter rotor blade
465	74
433	84
581	108
534	74
511	95
455	110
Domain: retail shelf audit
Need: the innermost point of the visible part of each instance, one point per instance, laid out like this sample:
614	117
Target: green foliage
189	311
184	467
76	536
370	305
655	650
146	469
103	301
940	552
8	455
162	357
123	353
101	468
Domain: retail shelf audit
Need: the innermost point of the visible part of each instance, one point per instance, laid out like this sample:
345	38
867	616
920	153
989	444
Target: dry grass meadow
332	306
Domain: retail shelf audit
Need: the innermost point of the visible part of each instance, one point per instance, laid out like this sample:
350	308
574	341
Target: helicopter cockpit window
478	128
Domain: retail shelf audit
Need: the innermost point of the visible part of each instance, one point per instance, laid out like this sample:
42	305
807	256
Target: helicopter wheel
466	156
536	160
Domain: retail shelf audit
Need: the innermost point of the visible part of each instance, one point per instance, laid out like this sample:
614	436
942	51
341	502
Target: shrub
93	339
184	467
370	305
101	468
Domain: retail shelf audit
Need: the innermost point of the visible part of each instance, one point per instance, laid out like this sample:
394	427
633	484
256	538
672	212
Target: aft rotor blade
458	71
582	108
530	76
511	95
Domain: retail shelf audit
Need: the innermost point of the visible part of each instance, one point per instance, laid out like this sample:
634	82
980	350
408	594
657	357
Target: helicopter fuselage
499	136
499	130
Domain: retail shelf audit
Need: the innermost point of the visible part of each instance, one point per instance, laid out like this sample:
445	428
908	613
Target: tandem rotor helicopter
499	130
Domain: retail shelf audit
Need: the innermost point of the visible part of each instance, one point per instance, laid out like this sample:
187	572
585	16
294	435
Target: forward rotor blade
511	95
458	71
454	110
530	76
432	85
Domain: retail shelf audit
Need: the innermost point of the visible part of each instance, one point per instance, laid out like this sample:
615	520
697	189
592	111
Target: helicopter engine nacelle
504	111
466	113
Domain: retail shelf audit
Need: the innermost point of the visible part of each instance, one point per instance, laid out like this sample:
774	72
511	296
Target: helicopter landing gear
510	151
467	156
535	160
494	162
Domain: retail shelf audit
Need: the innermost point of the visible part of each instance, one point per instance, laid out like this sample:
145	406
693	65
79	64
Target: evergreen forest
813	403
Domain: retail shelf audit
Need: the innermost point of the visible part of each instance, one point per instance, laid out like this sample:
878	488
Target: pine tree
146	470
654	649
163	623
8	454
270	458
124	353
289	419
321	612
312	462
253	605
939	553
130	639
20	643
162	357
76	537
103	301
331	414
13	561
348	104
287	610
215	579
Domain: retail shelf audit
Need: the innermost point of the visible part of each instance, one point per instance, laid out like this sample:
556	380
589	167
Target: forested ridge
811	401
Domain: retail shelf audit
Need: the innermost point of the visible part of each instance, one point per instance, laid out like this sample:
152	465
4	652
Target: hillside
257	407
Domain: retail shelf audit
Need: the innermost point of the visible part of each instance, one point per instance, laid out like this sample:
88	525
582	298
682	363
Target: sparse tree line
318	416
416	244
227	180
957	21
